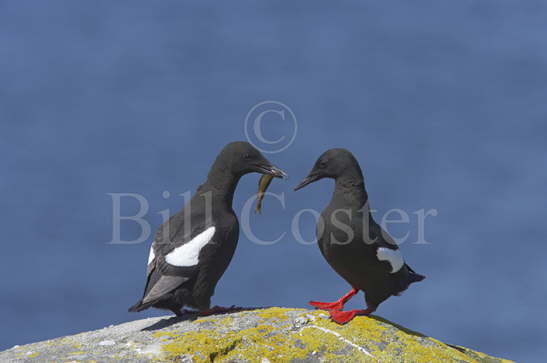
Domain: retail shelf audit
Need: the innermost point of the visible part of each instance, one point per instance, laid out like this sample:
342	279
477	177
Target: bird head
243	158
331	164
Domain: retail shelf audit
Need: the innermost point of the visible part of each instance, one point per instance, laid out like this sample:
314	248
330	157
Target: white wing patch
188	253
394	257
151	255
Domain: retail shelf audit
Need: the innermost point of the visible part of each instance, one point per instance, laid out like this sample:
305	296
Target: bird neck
349	190
222	183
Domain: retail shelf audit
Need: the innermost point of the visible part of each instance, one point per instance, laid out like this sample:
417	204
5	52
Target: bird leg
183	312
337	305
343	317
220	310
177	312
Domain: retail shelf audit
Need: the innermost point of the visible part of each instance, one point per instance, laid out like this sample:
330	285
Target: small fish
263	184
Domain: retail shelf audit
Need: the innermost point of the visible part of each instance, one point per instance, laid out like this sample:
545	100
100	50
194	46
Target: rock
261	335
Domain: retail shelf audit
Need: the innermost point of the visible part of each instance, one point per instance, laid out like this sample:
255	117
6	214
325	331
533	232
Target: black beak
271	170
307	180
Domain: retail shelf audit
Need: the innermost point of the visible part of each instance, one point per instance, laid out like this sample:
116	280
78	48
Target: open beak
307	180
271	170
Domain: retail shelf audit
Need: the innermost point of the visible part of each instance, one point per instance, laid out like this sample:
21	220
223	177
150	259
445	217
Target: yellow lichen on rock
261	335
284	335
273	313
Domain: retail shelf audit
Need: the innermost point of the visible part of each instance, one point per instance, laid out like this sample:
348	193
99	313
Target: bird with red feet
193	248
351	241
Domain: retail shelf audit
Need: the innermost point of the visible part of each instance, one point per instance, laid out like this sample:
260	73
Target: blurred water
442	102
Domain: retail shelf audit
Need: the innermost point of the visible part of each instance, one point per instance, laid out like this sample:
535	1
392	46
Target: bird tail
409	277
413	276
140	306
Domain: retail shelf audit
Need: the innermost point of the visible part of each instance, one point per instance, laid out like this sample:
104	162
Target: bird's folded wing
381	238
164	244
172	264
164	284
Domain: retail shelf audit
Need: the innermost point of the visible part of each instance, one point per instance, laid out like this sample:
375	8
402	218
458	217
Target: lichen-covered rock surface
262	335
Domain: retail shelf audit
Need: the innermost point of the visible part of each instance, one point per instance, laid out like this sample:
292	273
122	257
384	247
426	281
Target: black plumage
194	247
351	241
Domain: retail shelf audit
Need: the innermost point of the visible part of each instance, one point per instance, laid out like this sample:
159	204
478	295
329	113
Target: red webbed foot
336	305
343	317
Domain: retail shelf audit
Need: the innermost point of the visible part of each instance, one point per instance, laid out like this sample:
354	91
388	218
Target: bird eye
322	164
